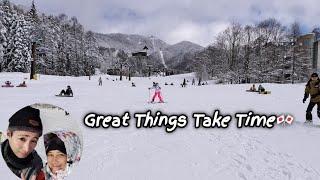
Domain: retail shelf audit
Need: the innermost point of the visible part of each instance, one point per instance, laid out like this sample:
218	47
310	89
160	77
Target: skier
157	92
312	88
193	82
18	151
67	92
100	81
184	83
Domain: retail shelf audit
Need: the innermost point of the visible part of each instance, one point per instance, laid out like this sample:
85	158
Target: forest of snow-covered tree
63	46
264	52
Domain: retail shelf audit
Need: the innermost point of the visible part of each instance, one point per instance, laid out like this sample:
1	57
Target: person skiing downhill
100	81
312	88
157	92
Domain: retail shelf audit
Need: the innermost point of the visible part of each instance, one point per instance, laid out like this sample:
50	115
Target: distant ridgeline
265	52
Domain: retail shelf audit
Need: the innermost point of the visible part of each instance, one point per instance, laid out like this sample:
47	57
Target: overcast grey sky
173	21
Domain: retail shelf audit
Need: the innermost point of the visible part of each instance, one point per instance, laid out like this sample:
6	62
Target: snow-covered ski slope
281	153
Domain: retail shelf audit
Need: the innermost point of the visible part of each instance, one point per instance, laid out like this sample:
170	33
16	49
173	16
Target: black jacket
69	92
31	165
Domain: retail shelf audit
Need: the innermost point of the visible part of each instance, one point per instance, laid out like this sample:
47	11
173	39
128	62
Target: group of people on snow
260	89
9	84
312	90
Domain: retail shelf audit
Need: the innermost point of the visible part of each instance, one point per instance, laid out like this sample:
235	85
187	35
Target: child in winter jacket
157	92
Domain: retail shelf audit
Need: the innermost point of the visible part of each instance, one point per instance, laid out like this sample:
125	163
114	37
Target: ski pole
148	95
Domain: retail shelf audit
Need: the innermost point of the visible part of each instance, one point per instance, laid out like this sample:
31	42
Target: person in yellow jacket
312	88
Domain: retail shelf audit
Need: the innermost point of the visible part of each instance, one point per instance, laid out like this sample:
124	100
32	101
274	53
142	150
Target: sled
7	86
248	90
21	85
265	92
58	95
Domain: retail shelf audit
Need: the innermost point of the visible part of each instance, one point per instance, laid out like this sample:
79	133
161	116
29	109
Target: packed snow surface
283	152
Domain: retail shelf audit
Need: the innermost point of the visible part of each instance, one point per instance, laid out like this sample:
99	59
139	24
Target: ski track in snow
129	153
162	59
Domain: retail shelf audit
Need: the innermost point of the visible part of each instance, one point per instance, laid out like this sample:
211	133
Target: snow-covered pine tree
92	57
3	39
17	56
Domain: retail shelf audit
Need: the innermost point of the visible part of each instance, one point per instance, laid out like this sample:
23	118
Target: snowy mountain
281	153
129	43
170	56
180	55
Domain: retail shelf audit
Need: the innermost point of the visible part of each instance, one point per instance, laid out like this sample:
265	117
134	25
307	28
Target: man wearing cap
312	88
24	130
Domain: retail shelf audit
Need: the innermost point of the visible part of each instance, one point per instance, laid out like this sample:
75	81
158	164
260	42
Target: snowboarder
100	81
133	85
261	89
67	92
18	151
312	88
157	92
7	84
253	88
23	84
193	81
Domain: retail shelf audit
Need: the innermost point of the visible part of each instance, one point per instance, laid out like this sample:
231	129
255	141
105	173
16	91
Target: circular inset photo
42	141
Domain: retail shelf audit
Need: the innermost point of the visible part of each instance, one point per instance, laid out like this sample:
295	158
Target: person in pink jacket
157	92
